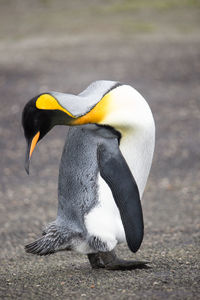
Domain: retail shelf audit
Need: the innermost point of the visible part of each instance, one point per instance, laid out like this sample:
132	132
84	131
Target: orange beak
30	149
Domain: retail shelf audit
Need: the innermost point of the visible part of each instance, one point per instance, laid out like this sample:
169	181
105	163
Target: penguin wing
115	171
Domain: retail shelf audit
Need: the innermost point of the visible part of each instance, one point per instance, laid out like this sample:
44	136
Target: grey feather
49	243
55	238
82	103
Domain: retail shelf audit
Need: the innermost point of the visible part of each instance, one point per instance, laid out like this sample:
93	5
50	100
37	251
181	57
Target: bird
103	171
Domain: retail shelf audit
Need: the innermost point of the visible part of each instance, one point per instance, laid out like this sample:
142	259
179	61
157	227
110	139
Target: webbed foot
112	262
95	261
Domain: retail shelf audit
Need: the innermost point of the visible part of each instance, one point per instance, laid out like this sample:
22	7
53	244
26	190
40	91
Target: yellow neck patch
48	102
97	113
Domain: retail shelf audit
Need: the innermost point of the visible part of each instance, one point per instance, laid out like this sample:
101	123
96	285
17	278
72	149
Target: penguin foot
95	261
112	262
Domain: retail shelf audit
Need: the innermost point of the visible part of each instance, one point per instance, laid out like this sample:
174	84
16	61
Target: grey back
80	104
77	184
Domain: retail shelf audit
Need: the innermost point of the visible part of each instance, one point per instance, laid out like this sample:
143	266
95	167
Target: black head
37	123
34	120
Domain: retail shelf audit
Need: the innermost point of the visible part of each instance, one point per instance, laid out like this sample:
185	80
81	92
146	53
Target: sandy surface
64	47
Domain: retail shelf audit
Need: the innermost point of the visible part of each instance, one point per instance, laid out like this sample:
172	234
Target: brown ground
59	45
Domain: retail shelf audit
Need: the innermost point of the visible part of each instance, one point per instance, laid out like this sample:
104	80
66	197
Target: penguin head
38	121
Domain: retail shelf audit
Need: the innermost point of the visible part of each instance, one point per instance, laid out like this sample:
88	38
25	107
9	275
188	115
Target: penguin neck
131	115
137	149
138	140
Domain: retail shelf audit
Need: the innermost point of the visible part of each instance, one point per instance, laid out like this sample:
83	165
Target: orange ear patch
46	101
97	113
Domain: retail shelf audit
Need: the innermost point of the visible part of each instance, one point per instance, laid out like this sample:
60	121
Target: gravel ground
47	47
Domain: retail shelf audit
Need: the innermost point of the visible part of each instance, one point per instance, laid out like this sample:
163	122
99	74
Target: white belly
104	220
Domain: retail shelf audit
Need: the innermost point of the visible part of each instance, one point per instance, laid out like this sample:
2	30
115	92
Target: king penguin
103	170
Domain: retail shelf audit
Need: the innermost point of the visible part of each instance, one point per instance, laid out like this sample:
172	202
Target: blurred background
64	46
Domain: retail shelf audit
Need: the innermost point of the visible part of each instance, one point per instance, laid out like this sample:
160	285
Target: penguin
103	171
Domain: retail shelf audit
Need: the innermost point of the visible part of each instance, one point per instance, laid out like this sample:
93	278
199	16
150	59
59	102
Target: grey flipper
115	171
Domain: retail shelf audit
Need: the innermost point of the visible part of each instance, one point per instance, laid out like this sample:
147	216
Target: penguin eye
35	123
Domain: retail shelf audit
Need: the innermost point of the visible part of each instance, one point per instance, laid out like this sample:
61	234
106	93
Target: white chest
104	220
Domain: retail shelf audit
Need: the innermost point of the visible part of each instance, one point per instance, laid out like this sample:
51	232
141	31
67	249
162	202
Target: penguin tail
51	242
